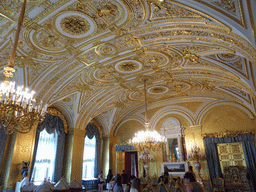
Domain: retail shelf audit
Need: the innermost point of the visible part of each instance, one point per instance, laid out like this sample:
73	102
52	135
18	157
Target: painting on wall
175	168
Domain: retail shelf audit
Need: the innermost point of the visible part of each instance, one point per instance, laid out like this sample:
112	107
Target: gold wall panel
192	106
127	131
120	162
231	154
226	118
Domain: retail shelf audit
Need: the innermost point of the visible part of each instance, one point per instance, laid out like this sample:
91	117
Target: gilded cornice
55	112
227	134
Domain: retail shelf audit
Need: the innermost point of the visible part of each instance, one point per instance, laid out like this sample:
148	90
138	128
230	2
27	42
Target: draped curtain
3	137
92	130
248	144
52	124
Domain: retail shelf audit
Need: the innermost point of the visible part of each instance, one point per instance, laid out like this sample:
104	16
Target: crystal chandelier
150	140
18	110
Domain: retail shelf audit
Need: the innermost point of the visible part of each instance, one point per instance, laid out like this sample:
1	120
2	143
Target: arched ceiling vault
89	58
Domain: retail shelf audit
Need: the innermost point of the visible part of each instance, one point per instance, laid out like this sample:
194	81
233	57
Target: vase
198	168
146	168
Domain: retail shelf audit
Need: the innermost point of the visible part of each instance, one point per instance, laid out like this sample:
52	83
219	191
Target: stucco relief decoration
128	66
74	24
228	5
231	60
158	90
172	126
171	10
48	40
155	59
106	49
109	9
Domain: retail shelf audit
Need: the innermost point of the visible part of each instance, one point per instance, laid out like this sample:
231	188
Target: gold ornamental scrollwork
227	134
74	25
55	112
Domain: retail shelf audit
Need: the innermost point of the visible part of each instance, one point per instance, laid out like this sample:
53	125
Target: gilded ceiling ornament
109	8
128	66
119	104
80	7
158	90
190	55
106	49
207	85
227	5
46	4
83	87
227	56
50	41
25	61
74	25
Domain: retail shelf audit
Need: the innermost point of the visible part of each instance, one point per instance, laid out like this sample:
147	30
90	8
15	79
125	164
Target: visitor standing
135	187
118	185
101	181
125	181
109	178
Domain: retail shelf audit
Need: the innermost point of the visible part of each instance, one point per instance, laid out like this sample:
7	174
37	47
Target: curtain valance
92	130
50	124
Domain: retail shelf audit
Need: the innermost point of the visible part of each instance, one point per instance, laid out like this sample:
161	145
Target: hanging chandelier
18	109
149	140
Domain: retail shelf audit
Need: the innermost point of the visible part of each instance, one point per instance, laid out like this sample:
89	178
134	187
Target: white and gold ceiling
89	58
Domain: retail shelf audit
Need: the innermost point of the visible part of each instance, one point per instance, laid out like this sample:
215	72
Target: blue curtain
248	144
3	137
92	130
50	124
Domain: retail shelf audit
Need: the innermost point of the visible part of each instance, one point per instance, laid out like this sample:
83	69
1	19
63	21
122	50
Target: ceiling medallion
106	49
158	90
128	66
74	25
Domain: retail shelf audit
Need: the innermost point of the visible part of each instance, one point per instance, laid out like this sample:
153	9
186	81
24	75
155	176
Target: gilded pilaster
67	161
105	156
7	159
112	143
23	151
77	154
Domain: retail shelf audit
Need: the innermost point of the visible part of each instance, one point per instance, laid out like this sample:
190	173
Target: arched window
89	157
92	138
45	156
49	150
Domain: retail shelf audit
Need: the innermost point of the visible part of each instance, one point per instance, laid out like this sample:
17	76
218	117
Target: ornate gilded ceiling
89	58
